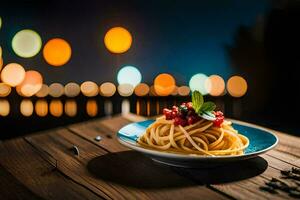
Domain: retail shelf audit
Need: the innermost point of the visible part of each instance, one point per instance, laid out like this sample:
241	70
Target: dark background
256	39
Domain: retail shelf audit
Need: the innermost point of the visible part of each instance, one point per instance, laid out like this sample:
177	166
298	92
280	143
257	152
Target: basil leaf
208	106
197	100
208	116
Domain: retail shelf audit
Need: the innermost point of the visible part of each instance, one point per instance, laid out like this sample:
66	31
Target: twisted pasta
199	138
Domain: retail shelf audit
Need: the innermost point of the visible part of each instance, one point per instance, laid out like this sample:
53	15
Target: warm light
43	92
175	91
41	108
129	75
125	90
1	63
56	108
125	107
26	107
26	43
152	91
200	82
107	89
141	89
118	40
89	89
0	52
56	90
4	107
92	107
31	84
57	52
71	108
72	89
184	90
4	90
13	74
215	85
164	84
0	22
237	86
108	107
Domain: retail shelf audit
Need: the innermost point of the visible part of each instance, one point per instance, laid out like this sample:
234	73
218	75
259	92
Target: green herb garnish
203	109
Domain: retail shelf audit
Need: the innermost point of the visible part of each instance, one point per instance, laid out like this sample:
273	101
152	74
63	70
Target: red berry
218	114
189	105
174	114
191	120
179	121
166	110
175	108
168	115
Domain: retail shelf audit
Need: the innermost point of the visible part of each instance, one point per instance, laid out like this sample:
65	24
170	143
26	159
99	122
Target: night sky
178	37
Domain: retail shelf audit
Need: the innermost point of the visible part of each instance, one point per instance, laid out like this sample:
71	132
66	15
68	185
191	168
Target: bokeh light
141	89
184	90
175	91
200	82
57	52
0	52
118	40
152	91
0	22
26	107
237	86
72	89
164	84
26	43
107	89
13	74
43	92
108	107
56	90
215	85
129	75
125	90
56	108
41	108
125	106
92	108
31	84
4	90
1	63
89	89
71	108
4	107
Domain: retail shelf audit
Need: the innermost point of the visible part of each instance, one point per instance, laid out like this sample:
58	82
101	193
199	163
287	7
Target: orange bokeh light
216	85
118	40
57	52
31	84
164	84
237	86
13	74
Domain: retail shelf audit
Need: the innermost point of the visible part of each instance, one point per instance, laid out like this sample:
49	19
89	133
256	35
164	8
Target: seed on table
75	150
98	138
268	189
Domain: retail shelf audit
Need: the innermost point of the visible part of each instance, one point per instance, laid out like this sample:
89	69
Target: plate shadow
133	169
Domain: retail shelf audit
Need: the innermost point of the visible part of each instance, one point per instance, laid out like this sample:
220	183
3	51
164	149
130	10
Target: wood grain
43	166
40	177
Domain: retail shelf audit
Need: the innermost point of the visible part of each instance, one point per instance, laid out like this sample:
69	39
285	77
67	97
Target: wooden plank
120	175
21	160
11	188
114	124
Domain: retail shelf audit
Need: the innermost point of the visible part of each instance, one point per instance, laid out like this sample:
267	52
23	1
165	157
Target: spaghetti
201	138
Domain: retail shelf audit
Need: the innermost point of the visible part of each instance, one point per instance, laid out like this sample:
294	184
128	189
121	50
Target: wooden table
42	166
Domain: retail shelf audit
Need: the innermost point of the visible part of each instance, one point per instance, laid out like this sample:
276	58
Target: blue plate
261	140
